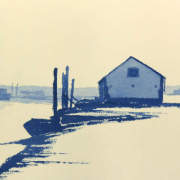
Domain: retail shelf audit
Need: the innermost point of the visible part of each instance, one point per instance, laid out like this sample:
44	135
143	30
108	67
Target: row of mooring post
65	93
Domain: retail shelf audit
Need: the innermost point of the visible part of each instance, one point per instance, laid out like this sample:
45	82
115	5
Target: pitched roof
131	57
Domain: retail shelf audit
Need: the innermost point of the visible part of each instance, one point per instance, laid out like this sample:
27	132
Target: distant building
4	95
132	82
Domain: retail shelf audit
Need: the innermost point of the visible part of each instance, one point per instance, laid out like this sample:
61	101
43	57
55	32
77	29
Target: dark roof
131	57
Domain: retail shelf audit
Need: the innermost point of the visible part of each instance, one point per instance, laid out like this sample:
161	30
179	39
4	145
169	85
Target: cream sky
91	36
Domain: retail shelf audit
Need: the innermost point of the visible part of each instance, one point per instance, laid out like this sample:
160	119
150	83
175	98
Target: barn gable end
132	80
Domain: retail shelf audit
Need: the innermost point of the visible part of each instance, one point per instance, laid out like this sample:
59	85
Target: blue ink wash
132	84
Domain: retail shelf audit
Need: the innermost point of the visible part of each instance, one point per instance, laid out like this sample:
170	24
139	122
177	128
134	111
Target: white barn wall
119	85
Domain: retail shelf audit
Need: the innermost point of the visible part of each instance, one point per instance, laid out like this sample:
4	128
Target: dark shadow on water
171	105
123	102
44	133
35	147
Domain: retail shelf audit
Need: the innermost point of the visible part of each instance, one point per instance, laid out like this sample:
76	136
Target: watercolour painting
89	90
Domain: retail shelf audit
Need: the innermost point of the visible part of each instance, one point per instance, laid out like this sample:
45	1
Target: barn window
133	72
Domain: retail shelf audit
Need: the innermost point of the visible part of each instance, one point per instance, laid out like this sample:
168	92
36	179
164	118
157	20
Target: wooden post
72	93
55	101
66	87
63	91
